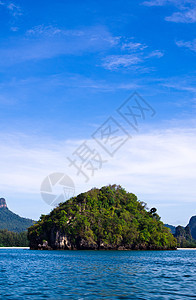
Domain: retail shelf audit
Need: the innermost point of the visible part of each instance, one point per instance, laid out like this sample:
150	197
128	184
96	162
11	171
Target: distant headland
11	221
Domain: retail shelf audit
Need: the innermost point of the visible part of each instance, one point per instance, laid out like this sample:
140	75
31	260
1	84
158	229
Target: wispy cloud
186	10
102	86
157	2
114	62
190	44
134	61
13	90
132	55
133	46
179	3
187	16
44	42
155	53
14	28
183	84
42	30
95	33
184	91
14	10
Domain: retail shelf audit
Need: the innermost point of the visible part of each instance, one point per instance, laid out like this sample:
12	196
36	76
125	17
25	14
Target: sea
27	274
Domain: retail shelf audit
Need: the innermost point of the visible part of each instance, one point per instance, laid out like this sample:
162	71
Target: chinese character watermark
86	161
110	136
134	109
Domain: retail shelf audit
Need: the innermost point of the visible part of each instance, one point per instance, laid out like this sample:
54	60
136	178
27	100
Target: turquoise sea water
26	274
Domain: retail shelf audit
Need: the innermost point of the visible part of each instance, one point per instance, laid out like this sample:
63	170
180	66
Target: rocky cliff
192	225
3	203
186	236
183	236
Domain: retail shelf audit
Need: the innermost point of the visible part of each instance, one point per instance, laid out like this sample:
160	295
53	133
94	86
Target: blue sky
67	66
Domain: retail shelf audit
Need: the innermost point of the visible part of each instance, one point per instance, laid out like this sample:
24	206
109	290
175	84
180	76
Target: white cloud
42	30
13	9
12	91
178	3
127	61
186	10
184	92
190	44
94	34
158	166
187	16
114	62
156	2
133	46
180	85
156	53
47	42
14	29
132	54
103	86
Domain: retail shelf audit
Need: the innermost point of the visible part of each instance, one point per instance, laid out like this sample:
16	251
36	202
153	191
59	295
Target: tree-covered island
108	218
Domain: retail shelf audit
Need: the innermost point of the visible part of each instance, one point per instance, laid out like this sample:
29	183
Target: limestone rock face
186	236
44	246
61	241
87	245
3	203
183	235
192	225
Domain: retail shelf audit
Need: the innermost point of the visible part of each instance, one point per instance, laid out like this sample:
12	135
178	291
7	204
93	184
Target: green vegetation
187	244
13	239
106	218
13	222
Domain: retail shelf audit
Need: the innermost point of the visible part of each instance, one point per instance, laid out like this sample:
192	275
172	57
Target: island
108	218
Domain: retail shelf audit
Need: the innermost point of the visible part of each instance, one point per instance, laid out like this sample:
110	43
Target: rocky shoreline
61	242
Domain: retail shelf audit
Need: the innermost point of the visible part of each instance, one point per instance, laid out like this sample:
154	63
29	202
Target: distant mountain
171	227
192	225
186	236
183	236
12	221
